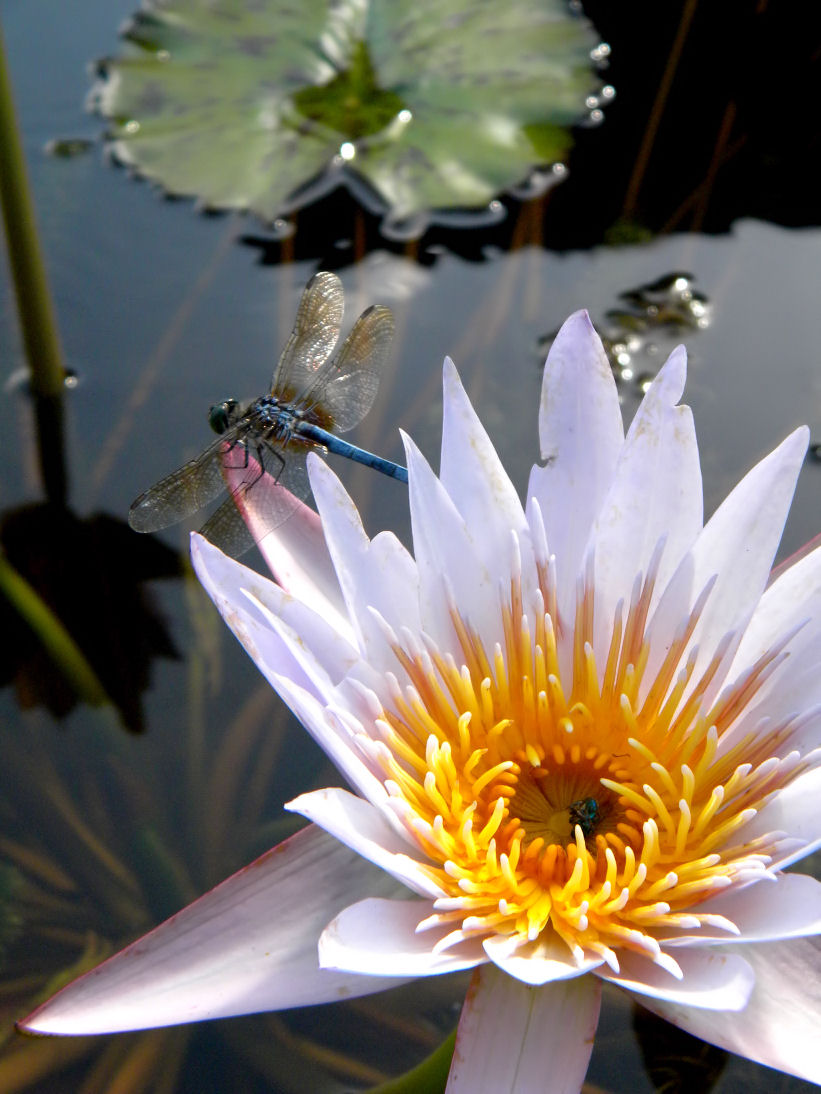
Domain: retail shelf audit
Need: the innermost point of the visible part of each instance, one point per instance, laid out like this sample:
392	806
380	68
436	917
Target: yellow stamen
575	806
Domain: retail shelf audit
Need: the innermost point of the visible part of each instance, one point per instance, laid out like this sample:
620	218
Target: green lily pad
419	107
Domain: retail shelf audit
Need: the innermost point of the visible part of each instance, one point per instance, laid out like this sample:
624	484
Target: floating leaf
418	107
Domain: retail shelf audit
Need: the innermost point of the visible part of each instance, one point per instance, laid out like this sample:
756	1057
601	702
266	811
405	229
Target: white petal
656	494
334	729
379	937
794	810
295	551
378	573
249	945
738	544
581	434
794	598
538	962
779	1025
304	647
448	561
787	906
369	832
713	979
472	474
514	1039
287	661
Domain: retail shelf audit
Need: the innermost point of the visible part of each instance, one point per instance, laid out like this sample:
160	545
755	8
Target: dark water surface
163	312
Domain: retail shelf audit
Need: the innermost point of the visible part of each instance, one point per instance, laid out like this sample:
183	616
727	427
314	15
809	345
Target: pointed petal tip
800	437
318	468
578	322
578	343
412	450
204	556
452	386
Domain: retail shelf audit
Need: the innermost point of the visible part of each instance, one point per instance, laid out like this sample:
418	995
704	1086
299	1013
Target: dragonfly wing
181	493
226	529
276	495
347	386
273	497
314	336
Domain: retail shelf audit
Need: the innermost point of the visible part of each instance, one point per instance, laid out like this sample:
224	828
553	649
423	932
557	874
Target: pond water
163	312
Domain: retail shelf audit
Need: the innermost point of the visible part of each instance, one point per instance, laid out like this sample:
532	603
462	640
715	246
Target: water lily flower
582	739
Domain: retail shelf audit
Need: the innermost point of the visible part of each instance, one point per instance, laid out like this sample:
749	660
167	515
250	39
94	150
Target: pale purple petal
784	906
793	600
713	979
738	544
779	1026
538	962
334	730
379	573
379	937
472	474
514	1038
581	434
246	600
369	832
282	635
794	810
656	494
448	560
249	945
295	551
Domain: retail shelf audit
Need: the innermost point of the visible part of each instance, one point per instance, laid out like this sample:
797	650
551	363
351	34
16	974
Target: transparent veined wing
347	385
286	485
183	491
315	333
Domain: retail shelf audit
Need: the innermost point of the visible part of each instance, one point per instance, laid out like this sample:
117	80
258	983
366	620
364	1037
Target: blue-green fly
586	814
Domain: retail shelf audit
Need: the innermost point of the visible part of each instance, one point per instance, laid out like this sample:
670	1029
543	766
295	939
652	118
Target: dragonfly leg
261	452
228	463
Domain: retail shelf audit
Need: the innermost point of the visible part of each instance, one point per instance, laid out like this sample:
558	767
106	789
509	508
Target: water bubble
600	54
644	380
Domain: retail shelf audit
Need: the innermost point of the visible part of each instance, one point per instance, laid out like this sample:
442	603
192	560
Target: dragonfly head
221	416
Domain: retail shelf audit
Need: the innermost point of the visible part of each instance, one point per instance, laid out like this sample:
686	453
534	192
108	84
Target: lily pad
419	107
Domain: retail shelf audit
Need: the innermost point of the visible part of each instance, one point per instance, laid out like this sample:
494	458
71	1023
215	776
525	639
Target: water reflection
651	319
91	574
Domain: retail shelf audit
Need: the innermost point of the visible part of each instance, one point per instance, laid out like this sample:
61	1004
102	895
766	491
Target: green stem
429	1077
37	323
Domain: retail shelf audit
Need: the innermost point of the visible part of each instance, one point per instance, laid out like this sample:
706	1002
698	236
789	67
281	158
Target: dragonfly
313	396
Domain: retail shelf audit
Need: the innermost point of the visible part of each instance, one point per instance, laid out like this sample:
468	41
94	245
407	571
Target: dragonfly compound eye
221	415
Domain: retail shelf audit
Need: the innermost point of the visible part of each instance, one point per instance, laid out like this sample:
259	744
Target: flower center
590	805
